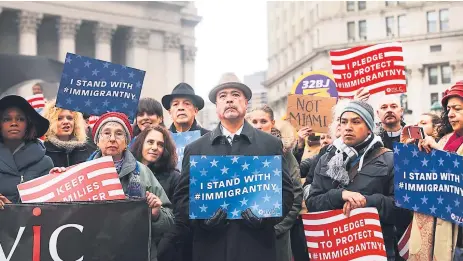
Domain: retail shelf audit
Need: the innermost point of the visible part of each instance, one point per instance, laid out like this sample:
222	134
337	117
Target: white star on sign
88	103
203	172
106	103
214	163
440	199
125	105
244	202
456	163
105	65
245	166
68	101
424	200
87	64
193	163
96	110
68	60
203	157
224	170
131	74
424	162
113	72
415	208
449	208
406	198
441	162
234	159
203	208
277	205
276	172
449	154
415	153
266	163
225	205
235	213
433	209
255	207
266	198
192	216
457	203
138	84
276	157
255	157
95	72
193	180
66	89
396	150
405	161
433	153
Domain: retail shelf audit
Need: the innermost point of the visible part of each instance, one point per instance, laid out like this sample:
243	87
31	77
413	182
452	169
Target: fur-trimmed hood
287	134
67	146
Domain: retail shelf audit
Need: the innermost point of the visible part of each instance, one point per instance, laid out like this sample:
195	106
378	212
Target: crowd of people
350	167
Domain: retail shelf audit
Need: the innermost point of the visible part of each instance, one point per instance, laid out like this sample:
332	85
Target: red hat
455	90
118	117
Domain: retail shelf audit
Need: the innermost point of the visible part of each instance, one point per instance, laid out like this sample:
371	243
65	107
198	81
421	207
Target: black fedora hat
229	80
40	123
183	90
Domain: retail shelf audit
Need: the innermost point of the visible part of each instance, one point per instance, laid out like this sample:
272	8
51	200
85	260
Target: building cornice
190	19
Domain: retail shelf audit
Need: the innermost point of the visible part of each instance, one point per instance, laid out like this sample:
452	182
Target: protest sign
331	235
312	111
317	83
112	230
379	68
235	183
182	139
429	183
92	120
37	101
88	181
95	87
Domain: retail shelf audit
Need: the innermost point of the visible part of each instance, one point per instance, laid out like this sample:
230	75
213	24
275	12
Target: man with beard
183	106
390	114
218	238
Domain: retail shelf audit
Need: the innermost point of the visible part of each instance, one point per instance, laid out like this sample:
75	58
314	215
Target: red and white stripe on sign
88	181
376	67
92	120
37	101
330	235
403	243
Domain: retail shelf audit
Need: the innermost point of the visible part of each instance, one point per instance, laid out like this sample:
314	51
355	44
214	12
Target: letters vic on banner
331	235
88	181
379	68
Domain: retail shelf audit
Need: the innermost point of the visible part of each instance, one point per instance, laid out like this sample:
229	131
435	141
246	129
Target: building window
351	31
434	97
350	6
435	48
392	3
444	19
363	29
446	74
432	75
390	26
432	21
362	5
401	25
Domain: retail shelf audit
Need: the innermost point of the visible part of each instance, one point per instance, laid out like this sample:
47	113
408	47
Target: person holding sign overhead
218	238
357	172
22	155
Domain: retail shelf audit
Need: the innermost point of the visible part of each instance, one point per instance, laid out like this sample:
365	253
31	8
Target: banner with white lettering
95	87
331	235
99	230
429	183
182	139
88	181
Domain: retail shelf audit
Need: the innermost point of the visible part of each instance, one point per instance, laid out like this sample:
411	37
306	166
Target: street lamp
436	108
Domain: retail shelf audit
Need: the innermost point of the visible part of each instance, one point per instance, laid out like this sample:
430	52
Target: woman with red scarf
433	238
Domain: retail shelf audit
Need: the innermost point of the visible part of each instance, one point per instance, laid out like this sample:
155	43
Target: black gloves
217	221
251	220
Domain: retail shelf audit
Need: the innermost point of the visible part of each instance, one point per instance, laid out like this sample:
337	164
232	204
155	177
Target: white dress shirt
230	135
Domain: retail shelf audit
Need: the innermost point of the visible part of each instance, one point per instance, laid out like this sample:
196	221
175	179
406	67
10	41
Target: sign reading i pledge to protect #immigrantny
429	183
235	183
182	139
379	68
331	235
95	87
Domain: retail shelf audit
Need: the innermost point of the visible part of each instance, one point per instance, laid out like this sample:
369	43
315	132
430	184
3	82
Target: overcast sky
232	37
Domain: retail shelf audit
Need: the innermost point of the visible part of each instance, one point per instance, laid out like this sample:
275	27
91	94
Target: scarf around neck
453	143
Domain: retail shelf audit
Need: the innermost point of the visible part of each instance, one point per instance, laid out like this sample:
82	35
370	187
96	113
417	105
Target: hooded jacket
29	162
66	153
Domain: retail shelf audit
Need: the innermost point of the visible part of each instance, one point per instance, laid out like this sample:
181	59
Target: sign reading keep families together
95	87
235	183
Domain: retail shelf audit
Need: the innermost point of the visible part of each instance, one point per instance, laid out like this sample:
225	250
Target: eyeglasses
117	136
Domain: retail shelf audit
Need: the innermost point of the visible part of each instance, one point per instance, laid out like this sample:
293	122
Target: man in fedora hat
250	238
183	106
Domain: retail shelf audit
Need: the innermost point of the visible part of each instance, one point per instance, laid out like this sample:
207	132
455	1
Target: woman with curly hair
66	139
156	149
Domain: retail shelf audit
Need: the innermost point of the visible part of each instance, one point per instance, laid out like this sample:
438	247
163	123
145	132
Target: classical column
173	62
28	24
67	29
415	95
137	48
103	35
189	54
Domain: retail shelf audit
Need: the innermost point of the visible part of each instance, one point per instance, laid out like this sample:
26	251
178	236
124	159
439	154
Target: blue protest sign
429	183
95	87
235	183
182	139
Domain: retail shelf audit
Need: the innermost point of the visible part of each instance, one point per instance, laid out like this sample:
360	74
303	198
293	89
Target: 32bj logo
37	241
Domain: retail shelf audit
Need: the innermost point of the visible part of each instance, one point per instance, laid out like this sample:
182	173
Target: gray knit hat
364	110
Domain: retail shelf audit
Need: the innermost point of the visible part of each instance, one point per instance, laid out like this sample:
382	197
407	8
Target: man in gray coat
250	238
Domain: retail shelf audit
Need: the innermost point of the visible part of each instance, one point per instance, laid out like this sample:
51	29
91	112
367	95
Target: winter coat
28	163
165	220
375	181
66	153
236	241
168	180
427	230
195	126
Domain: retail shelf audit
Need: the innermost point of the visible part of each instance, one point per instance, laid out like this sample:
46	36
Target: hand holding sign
362	94
3	201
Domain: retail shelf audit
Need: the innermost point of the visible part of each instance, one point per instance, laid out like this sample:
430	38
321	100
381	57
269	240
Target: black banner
99	231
